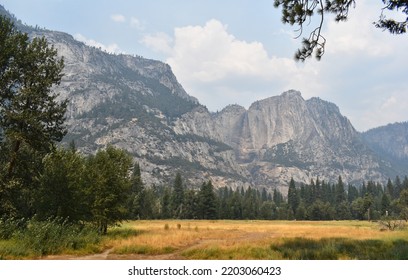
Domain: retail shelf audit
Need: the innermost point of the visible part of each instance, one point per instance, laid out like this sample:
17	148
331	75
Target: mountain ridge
137	104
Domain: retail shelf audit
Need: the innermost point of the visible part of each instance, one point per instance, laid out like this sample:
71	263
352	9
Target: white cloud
220	69
358	34
111	48
160	42
118	18
363	70
136	23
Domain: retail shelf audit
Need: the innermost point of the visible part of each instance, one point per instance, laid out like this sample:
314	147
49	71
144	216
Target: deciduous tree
108	186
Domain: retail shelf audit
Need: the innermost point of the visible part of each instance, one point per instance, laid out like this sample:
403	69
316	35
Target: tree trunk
13	159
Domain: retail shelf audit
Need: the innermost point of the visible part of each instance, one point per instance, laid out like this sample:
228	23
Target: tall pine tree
207	202
293	196
177	199
31	117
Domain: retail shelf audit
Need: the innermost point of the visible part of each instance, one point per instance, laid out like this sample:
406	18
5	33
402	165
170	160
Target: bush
8	227
391	223
55	235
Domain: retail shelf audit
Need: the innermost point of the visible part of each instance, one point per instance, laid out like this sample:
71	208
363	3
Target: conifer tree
300	13
136	199
191	205
340	193
177	199
166	204
293	197
31	117
207	202
390	188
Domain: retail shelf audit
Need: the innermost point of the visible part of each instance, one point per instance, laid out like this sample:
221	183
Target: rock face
137	104
391	142
285	136
132	102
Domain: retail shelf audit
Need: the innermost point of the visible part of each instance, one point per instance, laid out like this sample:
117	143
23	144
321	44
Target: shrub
55	235
8	227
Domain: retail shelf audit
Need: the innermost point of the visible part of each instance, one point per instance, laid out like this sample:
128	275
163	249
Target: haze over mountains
137	104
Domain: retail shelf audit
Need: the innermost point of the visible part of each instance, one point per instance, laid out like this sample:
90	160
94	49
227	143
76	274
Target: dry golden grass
236	239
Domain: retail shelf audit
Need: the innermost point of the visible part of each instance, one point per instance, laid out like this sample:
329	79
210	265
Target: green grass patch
341	248
231	253
144	250
122	233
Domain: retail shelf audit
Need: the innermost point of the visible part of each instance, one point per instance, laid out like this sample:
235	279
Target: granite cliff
137	104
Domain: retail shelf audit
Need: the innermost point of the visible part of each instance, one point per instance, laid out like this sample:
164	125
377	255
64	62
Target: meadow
243	240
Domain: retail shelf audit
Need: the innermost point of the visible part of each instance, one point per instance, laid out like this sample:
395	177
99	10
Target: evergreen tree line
315	201
370	201
106	188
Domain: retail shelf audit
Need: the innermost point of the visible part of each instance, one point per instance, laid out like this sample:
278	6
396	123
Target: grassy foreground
261	240
181	239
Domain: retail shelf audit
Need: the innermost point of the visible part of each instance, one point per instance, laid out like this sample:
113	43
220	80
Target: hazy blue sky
232	51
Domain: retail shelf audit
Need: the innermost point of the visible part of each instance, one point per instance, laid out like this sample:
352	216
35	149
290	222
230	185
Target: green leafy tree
31	118
300	13
30	114
62	187
403	204
108	186
301	212
267	210
343	211
317	211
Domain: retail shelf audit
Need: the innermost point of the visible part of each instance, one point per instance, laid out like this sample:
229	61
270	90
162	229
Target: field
223	240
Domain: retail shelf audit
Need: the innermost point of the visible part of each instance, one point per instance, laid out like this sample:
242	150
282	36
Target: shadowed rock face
391	143
137	104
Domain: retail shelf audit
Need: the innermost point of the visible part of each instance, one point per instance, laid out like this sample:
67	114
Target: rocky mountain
137	104
391	142
132	102
286	136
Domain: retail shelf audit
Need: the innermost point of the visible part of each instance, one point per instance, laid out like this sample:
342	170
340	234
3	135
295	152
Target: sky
238	51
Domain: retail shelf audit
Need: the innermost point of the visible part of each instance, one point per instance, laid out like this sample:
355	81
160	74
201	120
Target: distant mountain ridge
390	142
137	104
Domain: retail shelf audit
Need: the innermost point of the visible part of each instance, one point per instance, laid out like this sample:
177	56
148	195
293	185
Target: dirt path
177	255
